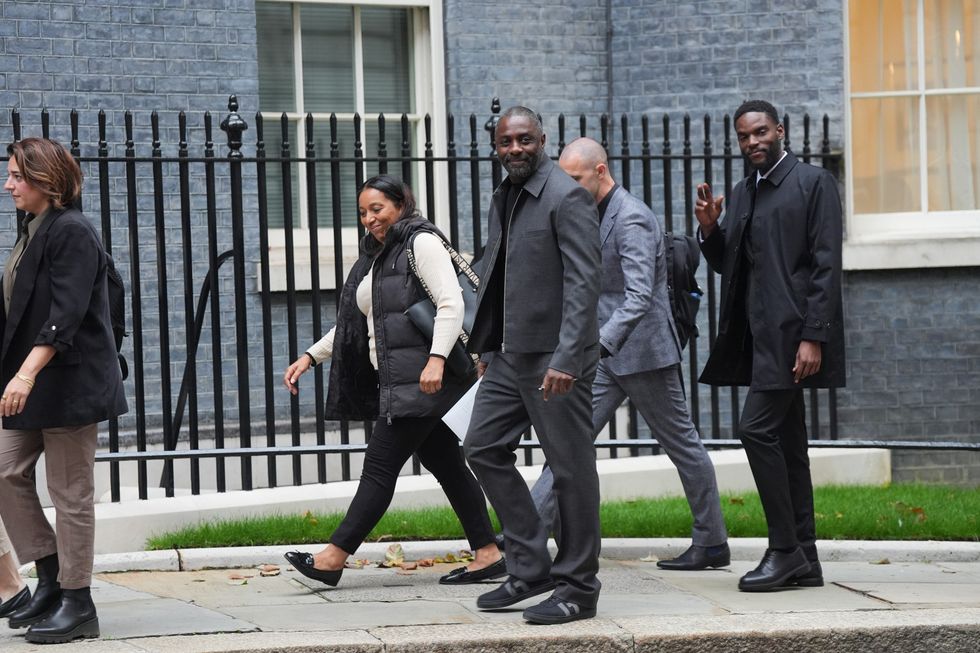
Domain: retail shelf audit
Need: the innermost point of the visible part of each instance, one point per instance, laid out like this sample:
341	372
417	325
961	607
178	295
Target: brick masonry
914	358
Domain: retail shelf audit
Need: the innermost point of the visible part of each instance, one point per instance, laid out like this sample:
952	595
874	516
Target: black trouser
773	432
390	447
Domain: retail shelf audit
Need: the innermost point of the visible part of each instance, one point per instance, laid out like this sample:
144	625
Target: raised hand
707	209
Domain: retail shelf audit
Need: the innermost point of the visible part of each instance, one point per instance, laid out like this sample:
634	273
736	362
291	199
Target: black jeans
773	432
390	447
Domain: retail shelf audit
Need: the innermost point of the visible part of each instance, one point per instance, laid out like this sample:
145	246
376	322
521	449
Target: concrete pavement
879	596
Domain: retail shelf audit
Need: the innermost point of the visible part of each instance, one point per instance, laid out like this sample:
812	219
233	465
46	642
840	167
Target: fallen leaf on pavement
394	556
649	558
269	570
426	562
409	566
883	561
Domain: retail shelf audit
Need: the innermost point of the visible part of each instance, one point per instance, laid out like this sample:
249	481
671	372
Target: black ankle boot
46	595
74	618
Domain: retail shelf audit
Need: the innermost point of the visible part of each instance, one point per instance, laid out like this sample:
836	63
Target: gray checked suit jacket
636	324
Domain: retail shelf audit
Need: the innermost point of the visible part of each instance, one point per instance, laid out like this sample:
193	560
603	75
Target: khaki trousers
5	546
69	455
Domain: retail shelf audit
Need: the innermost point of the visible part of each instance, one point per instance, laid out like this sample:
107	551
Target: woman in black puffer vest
383	367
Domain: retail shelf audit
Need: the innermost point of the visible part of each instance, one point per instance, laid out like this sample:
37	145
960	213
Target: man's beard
772	157
520	170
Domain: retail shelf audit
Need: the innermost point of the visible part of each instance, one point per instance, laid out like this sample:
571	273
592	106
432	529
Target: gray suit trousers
507	403
659	397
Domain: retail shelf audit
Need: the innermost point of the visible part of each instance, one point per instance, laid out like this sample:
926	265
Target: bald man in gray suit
641	352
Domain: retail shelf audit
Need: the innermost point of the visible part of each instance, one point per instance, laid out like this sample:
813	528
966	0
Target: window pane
886	155
274	38
273	150
324	188
954	152
951	31
883	45
387	60
328	58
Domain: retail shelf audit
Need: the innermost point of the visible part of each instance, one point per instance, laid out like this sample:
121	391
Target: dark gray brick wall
140	56
913	369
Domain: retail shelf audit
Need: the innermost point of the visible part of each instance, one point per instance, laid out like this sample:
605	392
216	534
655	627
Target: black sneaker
556	610
513	590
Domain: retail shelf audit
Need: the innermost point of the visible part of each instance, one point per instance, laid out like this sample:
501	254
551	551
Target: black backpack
117	311
683	259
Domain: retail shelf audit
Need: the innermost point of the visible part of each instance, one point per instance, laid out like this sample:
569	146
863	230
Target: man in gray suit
641	353
536	330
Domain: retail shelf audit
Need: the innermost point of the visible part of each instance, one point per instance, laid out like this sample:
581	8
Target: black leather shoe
463	577
74	618
513	590
812	578
303	563
46	596
699	557
18	600
556	610
776	568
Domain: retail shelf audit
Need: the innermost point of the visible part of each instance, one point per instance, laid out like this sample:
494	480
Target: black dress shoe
699	557
776	568
513	590
18	600
303	563
812	578
463	577
74	618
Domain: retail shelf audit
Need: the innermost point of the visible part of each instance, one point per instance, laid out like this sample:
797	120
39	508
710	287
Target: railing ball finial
234	125
491	123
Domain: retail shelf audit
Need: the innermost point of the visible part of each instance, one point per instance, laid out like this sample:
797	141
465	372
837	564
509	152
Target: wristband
312	360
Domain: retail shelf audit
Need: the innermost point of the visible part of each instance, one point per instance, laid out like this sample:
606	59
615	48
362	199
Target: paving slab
218	588
349	641
916	593
721	590
359	614
156	617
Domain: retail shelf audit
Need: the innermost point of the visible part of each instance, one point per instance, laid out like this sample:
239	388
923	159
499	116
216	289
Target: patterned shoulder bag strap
460	264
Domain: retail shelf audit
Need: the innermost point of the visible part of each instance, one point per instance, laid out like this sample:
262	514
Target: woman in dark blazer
60	378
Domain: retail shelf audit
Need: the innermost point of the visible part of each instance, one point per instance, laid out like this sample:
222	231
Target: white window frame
429	96
915	239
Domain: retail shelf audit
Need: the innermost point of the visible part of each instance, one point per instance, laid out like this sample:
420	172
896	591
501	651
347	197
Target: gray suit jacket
636	324
546	290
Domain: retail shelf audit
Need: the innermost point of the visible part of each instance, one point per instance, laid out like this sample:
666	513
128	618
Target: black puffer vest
356	390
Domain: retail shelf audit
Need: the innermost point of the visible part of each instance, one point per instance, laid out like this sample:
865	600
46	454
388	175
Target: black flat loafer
463	577
18	600
303	563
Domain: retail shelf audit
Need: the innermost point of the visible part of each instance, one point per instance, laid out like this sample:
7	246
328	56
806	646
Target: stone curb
612	548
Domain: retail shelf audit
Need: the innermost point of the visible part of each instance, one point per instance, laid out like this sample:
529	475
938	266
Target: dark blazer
796	227
550	286
635	322
60	298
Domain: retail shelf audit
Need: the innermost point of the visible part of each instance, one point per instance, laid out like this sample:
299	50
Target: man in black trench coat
778	251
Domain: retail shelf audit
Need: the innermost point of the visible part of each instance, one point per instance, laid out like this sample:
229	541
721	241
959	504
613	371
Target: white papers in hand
457	418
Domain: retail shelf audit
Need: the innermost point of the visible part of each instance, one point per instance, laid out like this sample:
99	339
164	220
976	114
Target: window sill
910	252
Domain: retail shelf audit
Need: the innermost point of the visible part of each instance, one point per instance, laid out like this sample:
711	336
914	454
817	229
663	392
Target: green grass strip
893	512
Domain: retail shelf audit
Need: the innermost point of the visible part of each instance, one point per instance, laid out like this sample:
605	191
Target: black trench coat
797	232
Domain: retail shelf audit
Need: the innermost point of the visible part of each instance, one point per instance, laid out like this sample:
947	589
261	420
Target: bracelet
26	379
312	360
